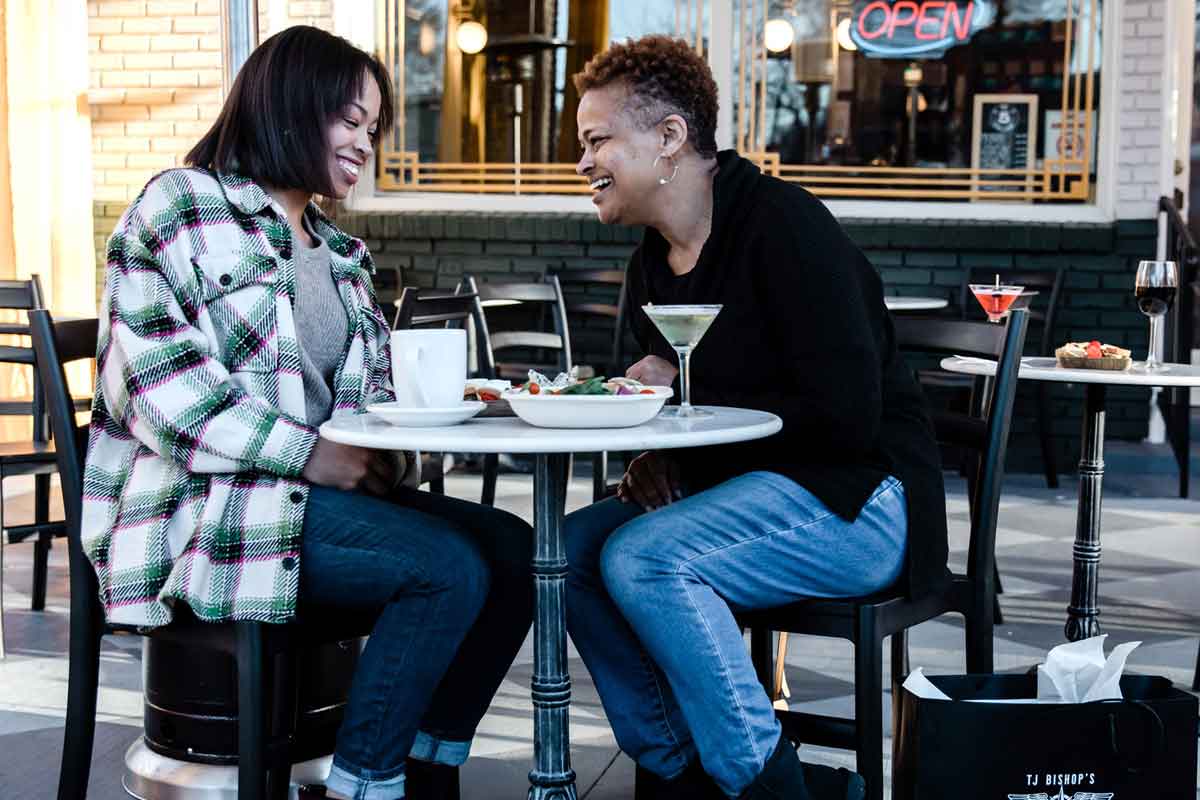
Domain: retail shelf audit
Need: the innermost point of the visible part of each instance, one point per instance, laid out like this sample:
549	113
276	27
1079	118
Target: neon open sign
908	28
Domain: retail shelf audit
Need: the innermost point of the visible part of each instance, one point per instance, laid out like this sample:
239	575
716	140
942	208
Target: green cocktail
683	327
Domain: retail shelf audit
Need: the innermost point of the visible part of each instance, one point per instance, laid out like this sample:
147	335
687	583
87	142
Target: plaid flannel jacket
192	487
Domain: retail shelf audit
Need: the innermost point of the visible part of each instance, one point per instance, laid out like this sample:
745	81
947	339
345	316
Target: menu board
1004	136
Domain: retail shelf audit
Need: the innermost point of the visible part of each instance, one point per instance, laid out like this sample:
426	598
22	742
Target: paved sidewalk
1149	575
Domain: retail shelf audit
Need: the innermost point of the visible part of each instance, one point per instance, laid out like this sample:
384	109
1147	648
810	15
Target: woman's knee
460	571
633	554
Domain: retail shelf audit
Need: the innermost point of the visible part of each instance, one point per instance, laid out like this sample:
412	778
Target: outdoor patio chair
34	456
596	298
266	655
420	308
523	326
866	621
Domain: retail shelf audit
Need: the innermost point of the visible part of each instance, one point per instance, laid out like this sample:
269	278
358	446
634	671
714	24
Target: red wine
1154	301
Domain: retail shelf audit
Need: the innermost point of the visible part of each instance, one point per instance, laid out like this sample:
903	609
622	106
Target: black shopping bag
1140	748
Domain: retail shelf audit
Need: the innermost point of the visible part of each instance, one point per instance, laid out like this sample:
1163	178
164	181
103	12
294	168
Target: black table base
1083	613
552	777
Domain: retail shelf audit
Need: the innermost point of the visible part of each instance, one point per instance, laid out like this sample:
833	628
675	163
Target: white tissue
922	687
1078	672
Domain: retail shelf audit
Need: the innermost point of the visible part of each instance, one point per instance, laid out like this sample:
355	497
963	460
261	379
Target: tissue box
1143	746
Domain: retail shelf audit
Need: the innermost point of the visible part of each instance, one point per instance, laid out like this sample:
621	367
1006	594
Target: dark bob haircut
664	76
272	127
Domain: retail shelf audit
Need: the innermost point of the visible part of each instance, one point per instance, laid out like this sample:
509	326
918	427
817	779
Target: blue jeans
448	583
651	596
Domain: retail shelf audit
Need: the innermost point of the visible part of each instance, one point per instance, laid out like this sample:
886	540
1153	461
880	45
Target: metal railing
1174	402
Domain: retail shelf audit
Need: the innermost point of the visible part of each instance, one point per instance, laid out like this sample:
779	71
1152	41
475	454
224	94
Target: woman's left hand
653	371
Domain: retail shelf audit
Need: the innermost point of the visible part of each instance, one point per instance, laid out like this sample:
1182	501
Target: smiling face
618	157
351	136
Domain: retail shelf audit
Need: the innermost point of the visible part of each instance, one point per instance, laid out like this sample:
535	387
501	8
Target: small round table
1083	611
901	304
552	776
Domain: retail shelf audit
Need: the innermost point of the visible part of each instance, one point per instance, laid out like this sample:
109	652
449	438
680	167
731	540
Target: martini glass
683	327
995	298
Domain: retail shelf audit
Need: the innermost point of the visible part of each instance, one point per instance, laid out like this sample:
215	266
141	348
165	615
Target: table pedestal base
1083	612
552	777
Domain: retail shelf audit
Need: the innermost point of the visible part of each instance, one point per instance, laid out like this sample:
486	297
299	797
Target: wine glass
1154	288
683	327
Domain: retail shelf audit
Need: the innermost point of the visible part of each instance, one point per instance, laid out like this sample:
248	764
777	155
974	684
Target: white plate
588	410
408	417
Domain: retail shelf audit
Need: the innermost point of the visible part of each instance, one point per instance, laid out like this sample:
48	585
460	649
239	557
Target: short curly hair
664	76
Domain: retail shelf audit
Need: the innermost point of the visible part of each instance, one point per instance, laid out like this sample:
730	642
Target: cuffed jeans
448	583
651	599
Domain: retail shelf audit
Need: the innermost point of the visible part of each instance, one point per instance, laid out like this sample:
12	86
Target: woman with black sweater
846	500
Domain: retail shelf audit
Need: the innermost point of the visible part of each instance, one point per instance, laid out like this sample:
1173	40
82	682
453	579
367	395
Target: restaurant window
905	99
923	99
484	87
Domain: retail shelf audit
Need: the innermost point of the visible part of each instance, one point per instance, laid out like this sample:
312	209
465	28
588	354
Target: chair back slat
56	345
22	295
417	309
581	288
948	336
549	295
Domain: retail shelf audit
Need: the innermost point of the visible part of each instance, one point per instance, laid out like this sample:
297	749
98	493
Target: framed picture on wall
1004	136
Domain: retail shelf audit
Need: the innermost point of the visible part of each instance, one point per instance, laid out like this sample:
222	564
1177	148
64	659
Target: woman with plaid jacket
236	319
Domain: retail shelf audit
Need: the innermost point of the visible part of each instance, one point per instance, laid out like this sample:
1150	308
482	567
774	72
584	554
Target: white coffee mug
429	367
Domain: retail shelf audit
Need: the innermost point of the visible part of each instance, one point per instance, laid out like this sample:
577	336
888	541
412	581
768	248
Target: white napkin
1078	672
922	687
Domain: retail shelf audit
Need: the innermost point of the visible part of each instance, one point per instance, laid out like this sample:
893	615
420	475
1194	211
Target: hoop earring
674	172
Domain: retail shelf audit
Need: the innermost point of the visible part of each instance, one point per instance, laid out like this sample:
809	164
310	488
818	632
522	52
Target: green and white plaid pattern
193	488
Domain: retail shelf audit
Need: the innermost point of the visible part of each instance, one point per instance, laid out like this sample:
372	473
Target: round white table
895	303
1083	612
552	776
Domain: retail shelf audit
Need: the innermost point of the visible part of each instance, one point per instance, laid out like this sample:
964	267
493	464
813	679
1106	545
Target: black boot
425	780
691	784
784	777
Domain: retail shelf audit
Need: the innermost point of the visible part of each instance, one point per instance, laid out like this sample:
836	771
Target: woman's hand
653	371
345	467
652	481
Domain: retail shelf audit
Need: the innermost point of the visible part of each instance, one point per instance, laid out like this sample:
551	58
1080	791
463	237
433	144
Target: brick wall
1143	103
916	258
155	89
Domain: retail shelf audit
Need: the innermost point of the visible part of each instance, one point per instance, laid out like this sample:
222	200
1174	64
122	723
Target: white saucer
408	417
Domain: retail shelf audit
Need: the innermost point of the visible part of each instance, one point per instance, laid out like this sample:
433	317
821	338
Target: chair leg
762	656
286	702
1196	674
997	613
252	717
41	547
979	632
80	728
491	469
41	568
900	663
599	475
868	705
1049	462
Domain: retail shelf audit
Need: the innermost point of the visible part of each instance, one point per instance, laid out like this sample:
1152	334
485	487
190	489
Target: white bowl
409	417
589	410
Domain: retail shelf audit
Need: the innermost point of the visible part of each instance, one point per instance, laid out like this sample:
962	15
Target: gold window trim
1066	178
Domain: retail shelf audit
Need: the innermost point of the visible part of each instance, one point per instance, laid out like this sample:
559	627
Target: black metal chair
419	308
32	457
866	621
537	331
266	654
597	298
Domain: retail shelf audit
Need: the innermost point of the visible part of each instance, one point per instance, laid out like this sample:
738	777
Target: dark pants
449	584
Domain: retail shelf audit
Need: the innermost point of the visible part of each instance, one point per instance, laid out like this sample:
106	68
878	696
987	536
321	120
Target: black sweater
803	334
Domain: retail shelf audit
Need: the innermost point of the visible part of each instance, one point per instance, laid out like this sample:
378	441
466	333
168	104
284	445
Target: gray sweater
322	327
